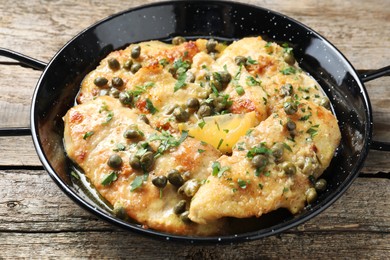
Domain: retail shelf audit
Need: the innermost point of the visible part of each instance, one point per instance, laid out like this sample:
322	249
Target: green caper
175	178
100	81
184	217
127	65
311	195
147	160
290	125
211	44
178	40
114	92
135	67
192	103
131	134
259	161
217	84
144	119
190	77
320	185
120	212
286	90
204	110
115	161
240	60
290	107
225	77
136	52
219	103
117	82
135	163
278	150
189	188
289	168
113	63
180	114
160	181
289	58
180	207
325	102
125	98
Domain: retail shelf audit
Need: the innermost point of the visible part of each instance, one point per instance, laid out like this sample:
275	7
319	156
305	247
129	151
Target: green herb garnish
108	179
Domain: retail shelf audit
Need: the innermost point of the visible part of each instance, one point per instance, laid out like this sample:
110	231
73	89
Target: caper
289	168
180	114
225	77
169	110
147	160
136	52
290	107
135	162
117	82
189	188
120	212
320	185
115	161
144	119
286	90
277	150
175	178
190	77
160	181
290	125
125	98
135	67
180	207
217	84
113	63
289	58
114	92
192	103
219	103
240	60
100	81
178	40
211	44
144	144
131	134
325	102
127	65
259	161
184	217
311	195
204	110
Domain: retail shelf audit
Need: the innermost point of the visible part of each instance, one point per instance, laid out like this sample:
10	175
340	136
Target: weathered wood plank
31	200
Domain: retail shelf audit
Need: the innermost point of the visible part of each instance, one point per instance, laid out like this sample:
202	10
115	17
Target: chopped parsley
201	124
119	147
138	181
88	134
109	117
288	71
305	117
201	151
220	143
181	82
242	183
287	147
217	170
251	61
141	89
313	131
251	81
240	90
259	149
150	107
167	140
108	179
163	62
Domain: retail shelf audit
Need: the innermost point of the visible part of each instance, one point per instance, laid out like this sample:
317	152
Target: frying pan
60	81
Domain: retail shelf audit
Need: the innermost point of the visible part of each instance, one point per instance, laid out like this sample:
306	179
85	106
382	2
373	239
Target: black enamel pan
59	83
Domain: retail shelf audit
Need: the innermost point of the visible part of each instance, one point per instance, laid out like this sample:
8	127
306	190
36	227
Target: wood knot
12	204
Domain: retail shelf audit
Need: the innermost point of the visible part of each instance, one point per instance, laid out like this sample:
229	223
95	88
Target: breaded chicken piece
94	131
239	186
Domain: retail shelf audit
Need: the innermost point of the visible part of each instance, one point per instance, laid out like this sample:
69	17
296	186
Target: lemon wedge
221	131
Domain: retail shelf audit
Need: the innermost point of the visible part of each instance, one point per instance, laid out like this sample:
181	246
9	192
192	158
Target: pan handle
369	75
26	62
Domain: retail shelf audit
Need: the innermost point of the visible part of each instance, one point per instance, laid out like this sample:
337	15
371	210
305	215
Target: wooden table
37	220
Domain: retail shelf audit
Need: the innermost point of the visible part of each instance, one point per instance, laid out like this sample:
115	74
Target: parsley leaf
88	134
217	170
138	181
313	131
259	149
288	71
113	176
251	81
167	140
181	82
150	107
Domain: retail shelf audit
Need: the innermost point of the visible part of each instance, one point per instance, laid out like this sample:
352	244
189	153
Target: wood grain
37	220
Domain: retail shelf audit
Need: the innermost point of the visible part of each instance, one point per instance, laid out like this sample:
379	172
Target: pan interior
59	84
